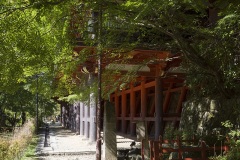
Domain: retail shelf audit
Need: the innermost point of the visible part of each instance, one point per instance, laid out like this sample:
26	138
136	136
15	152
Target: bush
13	147
233	141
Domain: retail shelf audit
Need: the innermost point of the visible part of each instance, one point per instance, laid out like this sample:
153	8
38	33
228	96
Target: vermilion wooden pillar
158	105
167	98
179	105
181	99
143	99
132	111
124	112
117	110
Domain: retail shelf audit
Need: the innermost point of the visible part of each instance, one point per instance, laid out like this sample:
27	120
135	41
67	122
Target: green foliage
31	149
14	105
39	37
171	133
14	146
33	40
233	141
208	45
203	117
182	26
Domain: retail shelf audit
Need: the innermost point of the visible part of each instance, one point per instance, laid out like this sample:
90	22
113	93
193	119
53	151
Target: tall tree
205	32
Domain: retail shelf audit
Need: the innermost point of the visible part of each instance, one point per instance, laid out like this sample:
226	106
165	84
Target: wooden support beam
124	112
143	98
181	99
117	109
158	108
147	119
150	84
139	99
171	90
167	98
138	104
132	110
116	101
158	104
152	107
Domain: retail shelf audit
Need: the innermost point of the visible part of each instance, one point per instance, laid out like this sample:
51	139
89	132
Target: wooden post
156	151
142	135
124	112
167	98
203	152
160	147
132	110
142	148
179	143
158	108
181	98
143	99
117	109
151	150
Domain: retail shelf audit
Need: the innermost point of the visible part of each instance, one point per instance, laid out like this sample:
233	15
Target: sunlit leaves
38	36
31	40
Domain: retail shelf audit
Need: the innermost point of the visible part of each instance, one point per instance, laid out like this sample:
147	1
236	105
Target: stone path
66	145
63	144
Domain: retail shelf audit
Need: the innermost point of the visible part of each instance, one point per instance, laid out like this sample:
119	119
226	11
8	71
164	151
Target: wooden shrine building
155	97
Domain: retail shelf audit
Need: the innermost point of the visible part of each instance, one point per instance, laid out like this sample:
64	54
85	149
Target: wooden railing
162	148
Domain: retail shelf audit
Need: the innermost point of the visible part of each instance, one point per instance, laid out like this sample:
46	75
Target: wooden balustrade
165	147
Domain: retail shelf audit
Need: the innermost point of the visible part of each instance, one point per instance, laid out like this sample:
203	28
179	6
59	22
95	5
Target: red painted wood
139	105
143	98
167	98
156	151
132	109
124	112
117	109
158	108
181	99
203	149
152	107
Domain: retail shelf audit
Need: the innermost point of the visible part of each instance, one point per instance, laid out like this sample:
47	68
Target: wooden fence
180	151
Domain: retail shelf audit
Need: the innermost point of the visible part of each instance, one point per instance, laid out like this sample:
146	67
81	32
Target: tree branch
36	5
11	10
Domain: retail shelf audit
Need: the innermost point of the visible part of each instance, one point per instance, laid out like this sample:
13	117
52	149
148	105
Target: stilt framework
155	97
137	102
